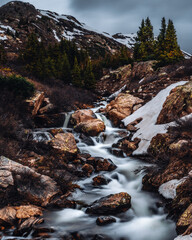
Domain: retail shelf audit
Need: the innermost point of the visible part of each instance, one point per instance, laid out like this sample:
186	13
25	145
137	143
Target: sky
124	16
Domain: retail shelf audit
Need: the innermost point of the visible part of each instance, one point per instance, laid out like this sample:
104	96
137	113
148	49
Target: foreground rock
64	145
85	121
18	181
185	221
104	220
123	106
177	104
111	204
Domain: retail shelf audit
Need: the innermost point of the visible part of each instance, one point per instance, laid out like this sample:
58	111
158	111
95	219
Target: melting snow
150	112
168	189
55	35
3	38
186	237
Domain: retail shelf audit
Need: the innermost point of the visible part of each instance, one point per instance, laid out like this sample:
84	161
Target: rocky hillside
18	19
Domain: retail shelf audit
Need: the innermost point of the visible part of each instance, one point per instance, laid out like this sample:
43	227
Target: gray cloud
125	15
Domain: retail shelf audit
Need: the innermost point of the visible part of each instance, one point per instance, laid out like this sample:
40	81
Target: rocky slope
18	19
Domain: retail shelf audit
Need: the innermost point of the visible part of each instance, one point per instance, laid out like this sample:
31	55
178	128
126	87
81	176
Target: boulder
104	220
101	164
185	221
123	106
9	215
126	145
85	121
34	103
64	145
91	127
100	180
82	116
23	181
177	104
111	204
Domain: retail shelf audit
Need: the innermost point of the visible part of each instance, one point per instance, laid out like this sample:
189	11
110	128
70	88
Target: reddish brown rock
111	204
100	180
127	146
91	127
32	186
104	220
87	169
64	145
122	106
185	221
177	104
142	69
82	116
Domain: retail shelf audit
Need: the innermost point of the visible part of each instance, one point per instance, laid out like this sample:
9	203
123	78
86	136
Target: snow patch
115	94
168	189
3	38
186	237
55	35
7	27
147	128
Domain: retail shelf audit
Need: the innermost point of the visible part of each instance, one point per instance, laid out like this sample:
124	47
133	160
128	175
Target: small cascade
67	118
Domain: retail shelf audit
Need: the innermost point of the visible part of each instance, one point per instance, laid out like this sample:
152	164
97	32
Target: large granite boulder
64	145
18	181
177	104
123	106
111	204
85	121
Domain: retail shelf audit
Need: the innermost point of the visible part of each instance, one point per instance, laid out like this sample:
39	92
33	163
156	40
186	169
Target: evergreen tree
76	75
89	78
66	70
144	47
161	36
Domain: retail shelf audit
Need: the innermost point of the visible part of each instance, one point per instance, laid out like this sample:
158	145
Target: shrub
18	85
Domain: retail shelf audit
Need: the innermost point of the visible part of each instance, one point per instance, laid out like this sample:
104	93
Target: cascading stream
144	221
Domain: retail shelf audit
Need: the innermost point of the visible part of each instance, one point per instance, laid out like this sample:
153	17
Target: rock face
185	221
111	204
64	145
123	106
177	104
21	181
142	69
85	122
114	80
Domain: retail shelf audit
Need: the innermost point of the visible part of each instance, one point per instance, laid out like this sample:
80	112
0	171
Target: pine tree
66	70
89	78
3	56
144	47
161	36
76	75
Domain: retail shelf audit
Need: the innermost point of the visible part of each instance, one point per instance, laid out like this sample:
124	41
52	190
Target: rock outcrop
177	104
18	181
111	204
123	106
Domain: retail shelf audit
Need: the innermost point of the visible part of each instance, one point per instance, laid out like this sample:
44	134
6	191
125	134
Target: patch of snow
3	38
55	35
49	15
186	237
141	80
147	128
186	55
168	189
126	39
68	35
7	27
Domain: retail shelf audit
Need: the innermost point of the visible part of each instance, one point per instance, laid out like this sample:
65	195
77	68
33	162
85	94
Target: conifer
76	75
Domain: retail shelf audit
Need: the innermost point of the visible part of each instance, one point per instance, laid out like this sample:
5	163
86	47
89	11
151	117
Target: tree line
164	48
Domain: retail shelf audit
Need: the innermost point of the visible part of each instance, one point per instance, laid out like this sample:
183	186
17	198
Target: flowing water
144	221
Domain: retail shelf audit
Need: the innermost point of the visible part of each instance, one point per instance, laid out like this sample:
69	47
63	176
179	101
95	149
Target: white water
144	221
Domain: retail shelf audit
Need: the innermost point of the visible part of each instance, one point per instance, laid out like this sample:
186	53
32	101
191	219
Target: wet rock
82	116
87	140
91	127
101	164
38	231
11	215
32	186
35	102
101	237
87	169
121	107
111	204
64	145
185	221
100	180
104	220
127	146
177	104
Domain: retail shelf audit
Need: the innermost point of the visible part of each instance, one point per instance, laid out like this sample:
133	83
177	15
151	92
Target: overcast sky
125	15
